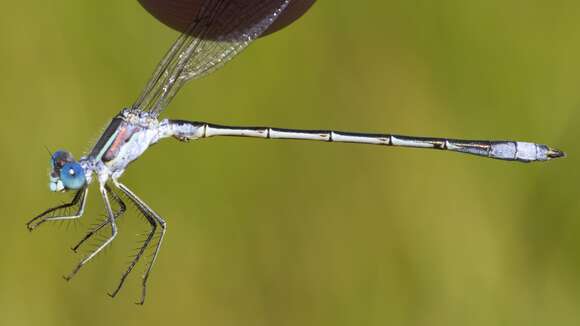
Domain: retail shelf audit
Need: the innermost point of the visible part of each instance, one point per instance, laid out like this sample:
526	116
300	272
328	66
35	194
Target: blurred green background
296	233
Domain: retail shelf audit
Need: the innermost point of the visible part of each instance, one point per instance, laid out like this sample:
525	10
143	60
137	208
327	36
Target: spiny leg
78	200
143	207
142	249
116	214
104	244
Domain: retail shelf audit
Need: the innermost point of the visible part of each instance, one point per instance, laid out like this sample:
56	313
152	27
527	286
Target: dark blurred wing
220	30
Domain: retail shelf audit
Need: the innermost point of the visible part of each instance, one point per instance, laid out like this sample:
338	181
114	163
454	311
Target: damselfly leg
62	212
142	248
155	220
122	208
111	219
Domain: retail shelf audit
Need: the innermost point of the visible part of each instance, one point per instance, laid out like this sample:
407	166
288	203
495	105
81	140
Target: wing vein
220	30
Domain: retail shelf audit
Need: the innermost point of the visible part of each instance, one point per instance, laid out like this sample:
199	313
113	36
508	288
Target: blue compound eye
59	158
72	176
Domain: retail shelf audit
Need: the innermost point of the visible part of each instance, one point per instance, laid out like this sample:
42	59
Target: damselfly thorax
125	139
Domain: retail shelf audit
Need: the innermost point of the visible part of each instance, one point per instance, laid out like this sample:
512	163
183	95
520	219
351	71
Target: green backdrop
295	233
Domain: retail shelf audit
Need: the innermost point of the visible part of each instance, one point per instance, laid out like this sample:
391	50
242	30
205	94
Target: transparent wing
220	30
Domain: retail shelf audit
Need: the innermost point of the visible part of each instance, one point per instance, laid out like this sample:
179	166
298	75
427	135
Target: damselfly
220	30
